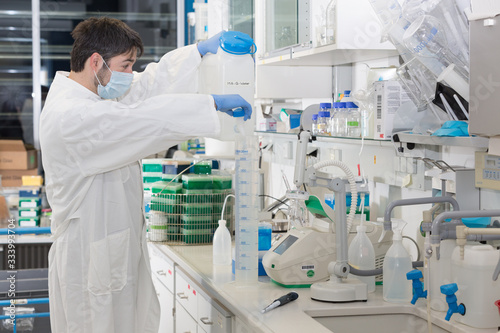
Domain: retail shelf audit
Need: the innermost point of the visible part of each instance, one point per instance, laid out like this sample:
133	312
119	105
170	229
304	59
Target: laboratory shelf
320	139
463	141
328	55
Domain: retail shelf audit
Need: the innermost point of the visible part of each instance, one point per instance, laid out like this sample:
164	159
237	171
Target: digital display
287	242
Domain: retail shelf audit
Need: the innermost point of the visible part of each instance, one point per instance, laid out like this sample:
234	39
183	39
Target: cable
418	249
269	196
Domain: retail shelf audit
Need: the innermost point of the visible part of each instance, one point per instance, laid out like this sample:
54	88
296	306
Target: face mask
118	84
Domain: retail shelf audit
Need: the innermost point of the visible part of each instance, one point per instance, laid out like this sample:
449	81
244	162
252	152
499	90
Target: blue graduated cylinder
449	290
418	288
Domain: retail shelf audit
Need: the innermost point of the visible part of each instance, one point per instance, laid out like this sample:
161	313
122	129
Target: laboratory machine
301	257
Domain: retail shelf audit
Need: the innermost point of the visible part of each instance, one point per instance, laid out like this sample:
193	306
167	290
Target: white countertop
247	301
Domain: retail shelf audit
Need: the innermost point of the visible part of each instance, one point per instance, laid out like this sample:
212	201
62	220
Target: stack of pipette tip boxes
185	208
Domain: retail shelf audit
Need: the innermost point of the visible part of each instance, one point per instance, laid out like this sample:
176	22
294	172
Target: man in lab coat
98	121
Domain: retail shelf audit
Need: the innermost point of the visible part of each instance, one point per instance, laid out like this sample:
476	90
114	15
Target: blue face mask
118	84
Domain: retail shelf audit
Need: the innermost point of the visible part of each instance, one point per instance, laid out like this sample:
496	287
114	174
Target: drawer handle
206	321
161	272
182	296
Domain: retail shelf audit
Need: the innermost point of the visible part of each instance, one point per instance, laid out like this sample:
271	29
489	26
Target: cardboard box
389	96
15	156
14	178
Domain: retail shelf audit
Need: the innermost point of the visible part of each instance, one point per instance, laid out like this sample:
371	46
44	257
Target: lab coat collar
62	79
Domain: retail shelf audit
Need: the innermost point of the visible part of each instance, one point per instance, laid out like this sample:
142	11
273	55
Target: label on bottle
238	83
353	123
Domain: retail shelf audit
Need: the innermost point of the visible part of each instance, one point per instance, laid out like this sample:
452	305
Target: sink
379	323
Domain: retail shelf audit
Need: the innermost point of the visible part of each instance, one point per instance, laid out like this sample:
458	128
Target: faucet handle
449	289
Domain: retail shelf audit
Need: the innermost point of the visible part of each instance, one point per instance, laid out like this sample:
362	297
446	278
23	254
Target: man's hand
210	45
226	103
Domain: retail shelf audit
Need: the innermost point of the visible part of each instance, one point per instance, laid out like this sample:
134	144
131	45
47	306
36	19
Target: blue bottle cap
315	117
347	93
325	105
324	114
238	112
351	105
235	42
341	105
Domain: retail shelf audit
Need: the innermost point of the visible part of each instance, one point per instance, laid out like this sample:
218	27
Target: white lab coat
99	273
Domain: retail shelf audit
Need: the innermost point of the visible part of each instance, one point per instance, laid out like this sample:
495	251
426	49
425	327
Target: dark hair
107	36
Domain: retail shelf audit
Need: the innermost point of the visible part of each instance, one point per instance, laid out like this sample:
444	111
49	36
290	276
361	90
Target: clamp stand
340	288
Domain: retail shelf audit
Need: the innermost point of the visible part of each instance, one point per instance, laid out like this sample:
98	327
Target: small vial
324	118
314	126
323	121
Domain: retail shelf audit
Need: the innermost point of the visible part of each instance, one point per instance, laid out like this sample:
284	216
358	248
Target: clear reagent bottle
362	256
397	262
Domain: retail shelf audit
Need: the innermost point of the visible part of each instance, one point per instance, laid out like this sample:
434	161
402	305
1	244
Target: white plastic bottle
222	245
230	71
397	262
362	256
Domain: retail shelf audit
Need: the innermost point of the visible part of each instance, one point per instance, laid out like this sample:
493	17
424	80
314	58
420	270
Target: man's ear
96	62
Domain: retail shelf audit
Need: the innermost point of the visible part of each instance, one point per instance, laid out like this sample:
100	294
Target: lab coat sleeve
176	72
109	135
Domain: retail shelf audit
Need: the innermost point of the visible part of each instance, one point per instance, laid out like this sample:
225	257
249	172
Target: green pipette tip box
197	182
201	236
197	196
197	222
222	182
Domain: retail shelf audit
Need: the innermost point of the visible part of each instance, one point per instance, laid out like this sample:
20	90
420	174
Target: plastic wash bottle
222	245
397	262
362	256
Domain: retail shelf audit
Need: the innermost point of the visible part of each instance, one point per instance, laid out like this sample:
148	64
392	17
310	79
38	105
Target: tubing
418	201
352	183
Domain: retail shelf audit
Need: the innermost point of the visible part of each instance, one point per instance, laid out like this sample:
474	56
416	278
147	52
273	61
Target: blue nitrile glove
210	45
226	103
453	128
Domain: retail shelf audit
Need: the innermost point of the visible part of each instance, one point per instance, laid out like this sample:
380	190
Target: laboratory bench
187	276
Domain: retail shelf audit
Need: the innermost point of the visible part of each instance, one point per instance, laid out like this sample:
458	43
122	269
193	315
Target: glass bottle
353	128
331	21
314	126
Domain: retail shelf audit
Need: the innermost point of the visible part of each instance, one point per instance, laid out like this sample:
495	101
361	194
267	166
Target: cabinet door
184	323
166	299
211	319
163	270
186	294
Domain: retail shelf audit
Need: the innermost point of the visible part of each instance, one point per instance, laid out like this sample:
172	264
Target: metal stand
340	288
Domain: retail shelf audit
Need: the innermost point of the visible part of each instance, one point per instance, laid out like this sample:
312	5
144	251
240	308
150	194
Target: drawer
211	317
186	293
184	323
163	269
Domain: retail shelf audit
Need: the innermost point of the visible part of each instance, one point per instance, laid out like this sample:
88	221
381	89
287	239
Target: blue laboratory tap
449	290
418	289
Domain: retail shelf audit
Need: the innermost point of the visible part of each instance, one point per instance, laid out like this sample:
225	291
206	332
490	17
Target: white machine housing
302	256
